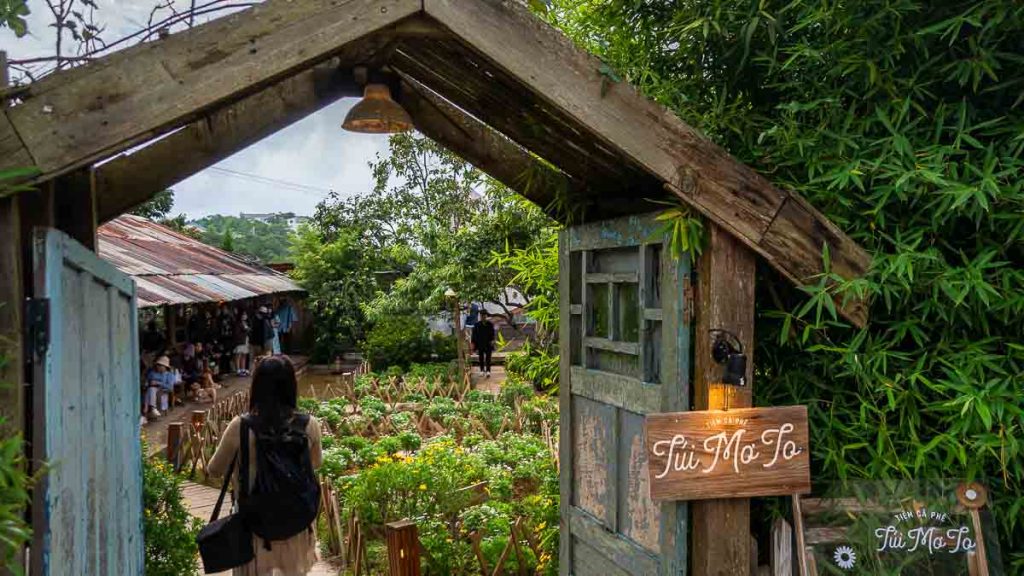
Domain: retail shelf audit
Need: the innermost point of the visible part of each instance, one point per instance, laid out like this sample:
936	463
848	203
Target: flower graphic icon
845	557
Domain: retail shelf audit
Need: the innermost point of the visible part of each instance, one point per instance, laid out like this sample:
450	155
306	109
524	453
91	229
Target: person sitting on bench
159	385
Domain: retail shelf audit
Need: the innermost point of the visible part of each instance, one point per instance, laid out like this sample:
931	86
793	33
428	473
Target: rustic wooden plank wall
88	507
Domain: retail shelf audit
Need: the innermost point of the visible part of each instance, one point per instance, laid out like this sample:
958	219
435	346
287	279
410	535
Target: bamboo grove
903	121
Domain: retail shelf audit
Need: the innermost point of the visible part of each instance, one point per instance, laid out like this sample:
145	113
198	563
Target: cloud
314	152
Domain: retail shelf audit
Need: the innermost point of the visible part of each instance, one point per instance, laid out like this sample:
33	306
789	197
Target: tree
265	241
338	274
157	207
436	220
901	121
228	241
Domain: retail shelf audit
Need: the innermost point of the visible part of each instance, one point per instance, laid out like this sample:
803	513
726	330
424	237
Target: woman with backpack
281	496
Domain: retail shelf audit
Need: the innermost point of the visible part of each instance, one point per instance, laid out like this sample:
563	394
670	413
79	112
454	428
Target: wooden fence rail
193	445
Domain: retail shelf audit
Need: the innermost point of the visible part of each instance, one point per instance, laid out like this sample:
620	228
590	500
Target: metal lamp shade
377	113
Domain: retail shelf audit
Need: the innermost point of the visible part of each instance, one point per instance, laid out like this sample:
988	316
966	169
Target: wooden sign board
728	453
907	527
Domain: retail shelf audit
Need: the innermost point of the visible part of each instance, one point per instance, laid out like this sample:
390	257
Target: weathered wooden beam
129	180
725	301
74	206
481	145
74	118
699	172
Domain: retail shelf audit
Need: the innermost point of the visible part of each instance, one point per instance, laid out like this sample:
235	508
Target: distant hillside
265	237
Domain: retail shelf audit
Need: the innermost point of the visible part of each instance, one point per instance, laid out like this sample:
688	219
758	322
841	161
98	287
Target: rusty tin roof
171	268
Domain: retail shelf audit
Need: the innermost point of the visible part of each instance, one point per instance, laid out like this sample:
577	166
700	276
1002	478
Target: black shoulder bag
226	543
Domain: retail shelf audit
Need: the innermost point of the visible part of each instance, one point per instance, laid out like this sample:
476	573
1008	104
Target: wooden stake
174	437
798	525
782	548
403	541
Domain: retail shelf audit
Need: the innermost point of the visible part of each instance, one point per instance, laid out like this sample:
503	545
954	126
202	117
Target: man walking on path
483	342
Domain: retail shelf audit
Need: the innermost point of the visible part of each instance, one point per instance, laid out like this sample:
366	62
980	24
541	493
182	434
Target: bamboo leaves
904	123
684	231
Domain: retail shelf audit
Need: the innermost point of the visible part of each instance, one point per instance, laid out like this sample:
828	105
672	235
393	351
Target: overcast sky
287	172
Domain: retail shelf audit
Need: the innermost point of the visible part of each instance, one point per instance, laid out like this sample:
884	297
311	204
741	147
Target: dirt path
492	384
201	500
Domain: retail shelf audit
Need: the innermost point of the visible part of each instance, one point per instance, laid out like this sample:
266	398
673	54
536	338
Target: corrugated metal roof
171	268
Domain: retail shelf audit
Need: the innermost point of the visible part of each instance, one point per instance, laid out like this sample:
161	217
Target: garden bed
477	473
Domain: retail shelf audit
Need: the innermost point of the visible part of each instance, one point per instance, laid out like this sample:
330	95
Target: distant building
290	218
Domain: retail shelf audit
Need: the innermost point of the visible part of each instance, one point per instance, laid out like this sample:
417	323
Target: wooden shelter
513	96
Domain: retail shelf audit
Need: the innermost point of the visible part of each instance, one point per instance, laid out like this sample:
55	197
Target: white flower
845	557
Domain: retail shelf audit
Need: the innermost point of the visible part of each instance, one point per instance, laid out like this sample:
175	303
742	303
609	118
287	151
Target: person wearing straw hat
159	384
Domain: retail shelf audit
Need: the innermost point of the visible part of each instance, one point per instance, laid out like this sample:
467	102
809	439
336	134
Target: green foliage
12	15
265	241
157	207
534	271
397	341
169	530
12	180
444	347
431	223
534	364
429	486
492	448
15	481
227	241
513	392
444	370
339	277
15	533
684	231
901	121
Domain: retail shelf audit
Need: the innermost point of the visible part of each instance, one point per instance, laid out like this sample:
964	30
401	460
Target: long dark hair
274	393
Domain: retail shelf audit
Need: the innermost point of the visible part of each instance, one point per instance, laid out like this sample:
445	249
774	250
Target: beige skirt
292	557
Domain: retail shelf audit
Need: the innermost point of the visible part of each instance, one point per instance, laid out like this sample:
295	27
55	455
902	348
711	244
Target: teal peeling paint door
624	353
87	512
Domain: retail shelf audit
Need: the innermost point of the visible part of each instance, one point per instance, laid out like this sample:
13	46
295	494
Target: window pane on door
599	313
629	312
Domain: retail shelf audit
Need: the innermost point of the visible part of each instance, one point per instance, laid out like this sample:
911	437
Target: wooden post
75	206
174	430
12	294
725	301
170	325
782	548
403	548
459	344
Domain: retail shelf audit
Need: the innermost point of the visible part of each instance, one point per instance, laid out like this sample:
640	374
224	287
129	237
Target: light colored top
165	380
294	556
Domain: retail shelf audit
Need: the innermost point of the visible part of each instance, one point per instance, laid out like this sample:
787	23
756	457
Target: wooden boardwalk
201	499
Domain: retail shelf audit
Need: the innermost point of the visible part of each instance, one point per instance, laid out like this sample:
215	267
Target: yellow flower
540	526
423	486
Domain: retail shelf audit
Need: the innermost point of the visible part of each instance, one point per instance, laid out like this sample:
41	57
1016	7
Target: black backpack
285	497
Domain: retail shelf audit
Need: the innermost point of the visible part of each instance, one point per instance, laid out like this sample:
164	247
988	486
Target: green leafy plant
397	341
536	365
15	482
168	528
12	15
15	533
683	230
